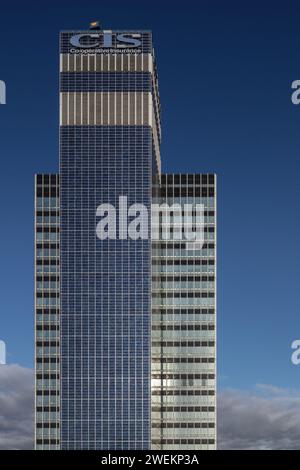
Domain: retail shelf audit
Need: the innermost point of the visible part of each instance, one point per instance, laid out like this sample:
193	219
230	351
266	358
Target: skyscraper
101	301
183	318
109	146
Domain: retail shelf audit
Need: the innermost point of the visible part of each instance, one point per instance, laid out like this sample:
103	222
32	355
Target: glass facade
183	319
47	312
109	142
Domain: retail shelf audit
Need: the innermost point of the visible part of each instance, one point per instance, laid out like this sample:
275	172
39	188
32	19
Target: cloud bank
267	418
16	407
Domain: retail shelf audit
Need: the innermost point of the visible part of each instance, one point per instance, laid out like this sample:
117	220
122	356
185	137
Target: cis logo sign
105	39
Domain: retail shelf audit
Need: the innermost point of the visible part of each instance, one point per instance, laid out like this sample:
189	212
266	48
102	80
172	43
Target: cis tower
125	344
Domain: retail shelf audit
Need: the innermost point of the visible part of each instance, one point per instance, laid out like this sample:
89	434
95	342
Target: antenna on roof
95	25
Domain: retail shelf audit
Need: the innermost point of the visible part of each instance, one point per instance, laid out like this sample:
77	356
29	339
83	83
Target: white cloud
266	418
16	407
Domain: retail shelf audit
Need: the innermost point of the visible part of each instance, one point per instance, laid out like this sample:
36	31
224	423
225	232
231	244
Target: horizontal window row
89	146
186	191
47	236
187	409
183	262
47	425
47	246
191	367
47	409
47	392
179	383
183	278
183	311
105	130
46	295
47	229
177	269
171	178
186	254
188	335
183	376
47	269
47	433
183	425
183	344
182	393
184	360
45	334
188	234
101	75
47	311
187	220
179	285
170	229
176	246
45	360
47	285
173	351
45	417
47	302
50	384
47	213
47	351
47	344
190	295
157	318
46	253
208	202
47	262
180	442
46	179
47	191
196	301
53	319
47	220
183	327
183	286
47	376
47	202
47	327
53	442
48	400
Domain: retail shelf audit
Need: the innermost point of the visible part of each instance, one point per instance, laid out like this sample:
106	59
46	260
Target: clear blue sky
225	71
